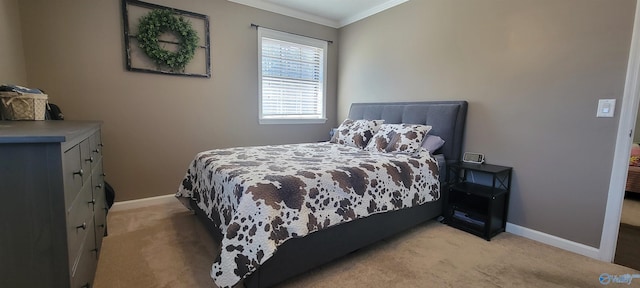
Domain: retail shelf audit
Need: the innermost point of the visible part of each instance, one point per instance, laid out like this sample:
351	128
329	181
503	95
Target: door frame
624	140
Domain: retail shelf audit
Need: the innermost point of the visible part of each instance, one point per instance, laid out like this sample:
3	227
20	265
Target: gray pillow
432	143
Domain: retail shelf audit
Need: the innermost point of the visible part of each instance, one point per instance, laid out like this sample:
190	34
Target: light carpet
165	246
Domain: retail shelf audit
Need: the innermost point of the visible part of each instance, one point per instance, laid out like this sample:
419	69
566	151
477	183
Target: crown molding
267	6
262	5
369	12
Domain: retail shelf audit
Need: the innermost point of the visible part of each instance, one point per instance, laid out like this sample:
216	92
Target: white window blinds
292	78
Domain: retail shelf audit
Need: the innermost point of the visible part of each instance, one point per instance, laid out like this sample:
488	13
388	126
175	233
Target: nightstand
478	198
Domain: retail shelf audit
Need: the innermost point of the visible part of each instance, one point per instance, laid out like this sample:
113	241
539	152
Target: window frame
301	40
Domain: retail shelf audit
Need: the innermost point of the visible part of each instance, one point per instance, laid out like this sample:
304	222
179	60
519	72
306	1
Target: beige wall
155	124
532	71
12	61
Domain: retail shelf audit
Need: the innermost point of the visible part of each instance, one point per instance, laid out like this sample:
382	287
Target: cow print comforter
261	196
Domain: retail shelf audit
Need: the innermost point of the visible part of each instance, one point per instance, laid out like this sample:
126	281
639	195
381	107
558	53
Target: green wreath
157	22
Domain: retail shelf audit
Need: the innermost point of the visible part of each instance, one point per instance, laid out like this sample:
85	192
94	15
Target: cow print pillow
382	138
406	138
356	133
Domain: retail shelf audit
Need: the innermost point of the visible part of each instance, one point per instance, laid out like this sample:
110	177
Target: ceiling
332	13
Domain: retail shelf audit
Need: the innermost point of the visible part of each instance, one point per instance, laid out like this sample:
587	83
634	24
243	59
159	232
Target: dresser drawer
101	226
72	174
95	143
83	272
79	223
100	218
87	158
100	207
97	180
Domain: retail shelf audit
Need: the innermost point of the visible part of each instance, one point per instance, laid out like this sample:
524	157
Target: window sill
293	121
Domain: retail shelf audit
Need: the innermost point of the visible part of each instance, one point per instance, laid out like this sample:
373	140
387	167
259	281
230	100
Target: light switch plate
606	107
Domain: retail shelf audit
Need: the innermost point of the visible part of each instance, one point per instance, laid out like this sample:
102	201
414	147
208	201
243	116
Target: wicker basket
23	106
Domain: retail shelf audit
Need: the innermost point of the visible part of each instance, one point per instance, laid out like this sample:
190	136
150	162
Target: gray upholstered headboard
446	117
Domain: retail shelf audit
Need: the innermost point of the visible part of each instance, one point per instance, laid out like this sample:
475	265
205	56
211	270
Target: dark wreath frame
128	37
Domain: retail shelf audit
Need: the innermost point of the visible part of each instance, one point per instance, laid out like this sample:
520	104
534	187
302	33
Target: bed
265	204
633	173
633	179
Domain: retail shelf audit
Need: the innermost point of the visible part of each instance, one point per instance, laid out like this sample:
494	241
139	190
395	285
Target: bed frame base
295	255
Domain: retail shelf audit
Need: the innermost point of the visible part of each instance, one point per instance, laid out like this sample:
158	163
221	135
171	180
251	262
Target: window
292	78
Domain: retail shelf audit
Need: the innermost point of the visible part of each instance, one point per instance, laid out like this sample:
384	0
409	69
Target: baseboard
144	202
554	241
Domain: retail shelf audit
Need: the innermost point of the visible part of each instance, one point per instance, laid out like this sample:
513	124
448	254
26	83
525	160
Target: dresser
52	203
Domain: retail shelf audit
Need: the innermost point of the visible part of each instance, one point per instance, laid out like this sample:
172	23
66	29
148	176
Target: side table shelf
474	206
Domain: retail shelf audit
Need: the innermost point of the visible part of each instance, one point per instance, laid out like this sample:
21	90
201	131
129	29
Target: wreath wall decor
165	40
158	22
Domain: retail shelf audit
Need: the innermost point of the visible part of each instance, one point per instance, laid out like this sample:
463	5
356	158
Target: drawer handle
99	186
80	172
90	159
86	286
101	226
101	144
83	226
97	150
104	174
95	250
93	201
